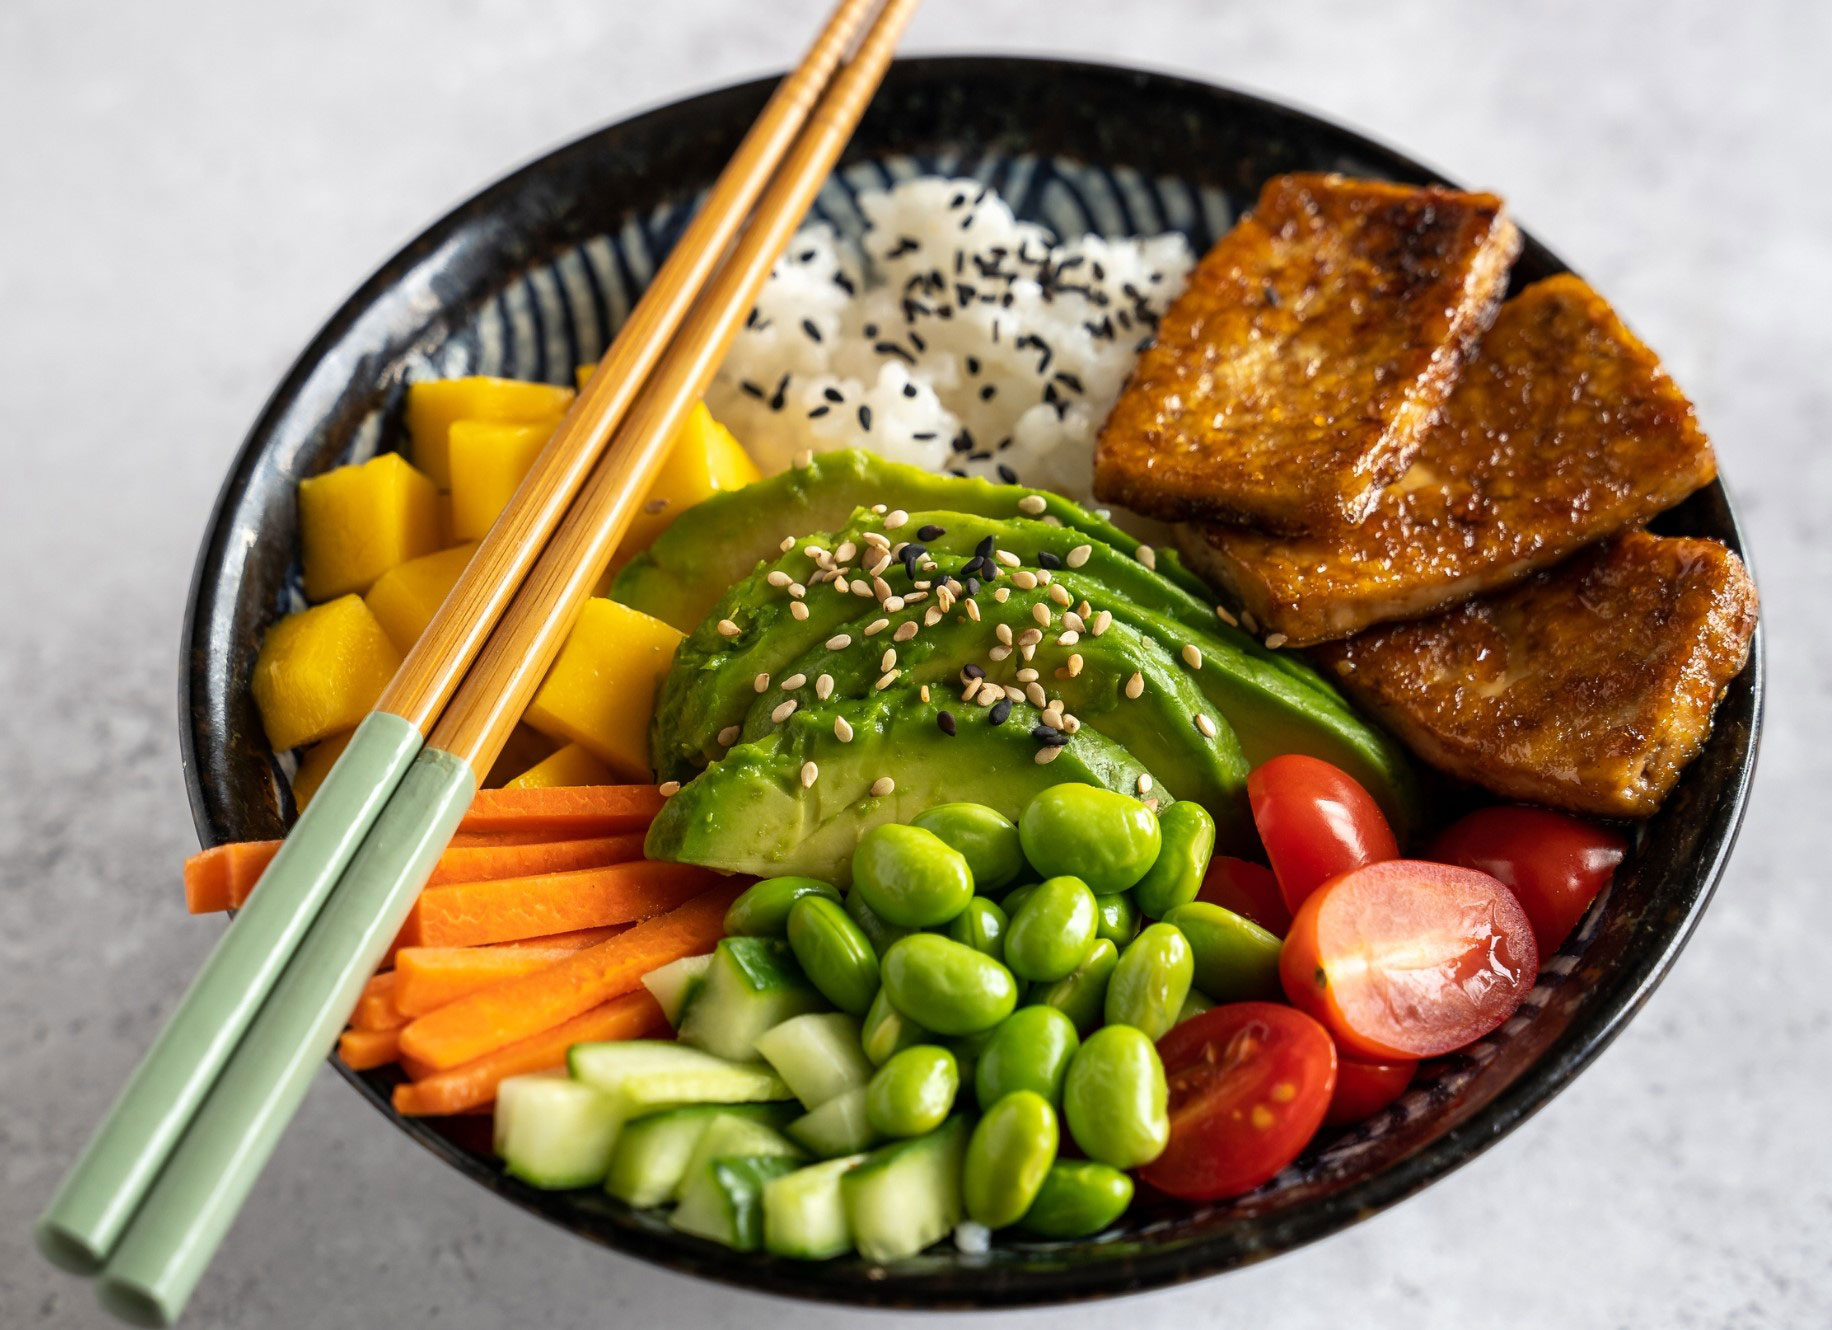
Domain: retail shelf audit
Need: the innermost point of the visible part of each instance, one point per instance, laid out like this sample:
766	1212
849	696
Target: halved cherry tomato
1555	864
1248	889
1407	959
1316	822
1364	1088
1249	1084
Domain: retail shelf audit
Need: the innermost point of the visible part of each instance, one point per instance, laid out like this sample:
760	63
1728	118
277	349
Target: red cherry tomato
1249	1084
1364	1088
1248	889
1554	863
1408	959
1316	823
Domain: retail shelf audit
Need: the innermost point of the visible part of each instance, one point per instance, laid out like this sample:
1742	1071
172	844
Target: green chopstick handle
100	1193
191	1206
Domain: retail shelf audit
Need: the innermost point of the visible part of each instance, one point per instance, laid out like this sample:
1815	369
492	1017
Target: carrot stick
473	1084
565	811
577	940
496	840
377	1009
469	914
211	878
509	1012
364	1049
430	977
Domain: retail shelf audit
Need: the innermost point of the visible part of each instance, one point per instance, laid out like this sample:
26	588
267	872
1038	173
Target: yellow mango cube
488	460
600	693
522	749
357	522
316	765
405	597
570	765
321	670
433	407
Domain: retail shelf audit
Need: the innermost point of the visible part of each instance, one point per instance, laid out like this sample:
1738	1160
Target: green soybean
878	930
981	926
1052	930
1008	1157
1150	982
947	986
1082	996
834	953
1114	1098
1187	835
1236	959
1015	898
910	876
886	1031
1107	839
763	908
911	1094
984	837
1193	1005
1119	917
1030	1050
1077	1200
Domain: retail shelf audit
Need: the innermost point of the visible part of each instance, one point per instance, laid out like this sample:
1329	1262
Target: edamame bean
1008	1156
1015	898
910	876
968	1049
878	930
1115	1100
981	926
947	986
886	1031
762	910
1082	996
834	953
911	1094
1236	959
1030	1050
1077	1200
1193	1005
1119	917
985	837
1052	930
1187	835
1106	839
1150	982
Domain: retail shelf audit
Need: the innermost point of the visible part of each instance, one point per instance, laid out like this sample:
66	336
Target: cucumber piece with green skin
646	1075
674	984
817	1055
841	1126
804	1212
725	1201
752	984
653	1152
730	1135
555	1133
907	1195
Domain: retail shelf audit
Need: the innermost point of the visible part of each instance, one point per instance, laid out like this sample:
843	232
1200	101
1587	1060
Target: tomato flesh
1364	1088
1316	822
1249	1085
1248	889
1554	863
1407	959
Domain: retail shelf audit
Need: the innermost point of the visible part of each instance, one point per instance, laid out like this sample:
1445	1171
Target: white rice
960	339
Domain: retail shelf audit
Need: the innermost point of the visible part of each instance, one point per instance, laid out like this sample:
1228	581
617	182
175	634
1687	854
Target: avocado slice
750	811
713	544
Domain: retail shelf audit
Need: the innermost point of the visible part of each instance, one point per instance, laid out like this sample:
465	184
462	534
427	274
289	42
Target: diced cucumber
726	1201
653	1152
728	1136
838	1127
817	1054
907	1195
752	984
644	1075
554	1132
674	983
804	1215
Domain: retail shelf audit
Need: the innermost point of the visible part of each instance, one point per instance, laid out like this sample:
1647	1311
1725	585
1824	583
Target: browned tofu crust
1563	429
1588	687
1296	373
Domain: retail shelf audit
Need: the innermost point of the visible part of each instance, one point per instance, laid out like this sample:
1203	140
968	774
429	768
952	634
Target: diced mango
321	670
433	407
704	460
600	693
357	522
570	765
523	748
316	765
488	460
405	597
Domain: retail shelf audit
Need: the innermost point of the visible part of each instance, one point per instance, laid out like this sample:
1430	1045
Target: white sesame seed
944	598
905	631
1012	691
1007	558
1152	804
1206	725
932	616
846	551
1027	676
1050	519
880	588
839	642
1044	577
1084	609
1192	655
1073	621
798	609
1003	633
879	564
913	598
823	687
1135	686
882	786
1221	612
804	458
888	659
1001	594
1024	579
1074	665
1032	504
761	682
1041	613
1034	693
1030	637
728	736
859	587
998	653
923	692
1248	622
815	552
887	679
727	628
989	697
876	626
895	518
895	603
1068	639
1146	555
1276	640
1101	623
1028	651
1052	715
1070	724
783	711
1061	596
778	578
668	789
877	540
973	610
879	509
1045	756
972	690
810	774
793	682
788	543
797	590
1144	782
841	730
1345	668
1079	555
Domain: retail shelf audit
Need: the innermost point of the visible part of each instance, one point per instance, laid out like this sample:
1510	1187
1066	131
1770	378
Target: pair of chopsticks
149	1201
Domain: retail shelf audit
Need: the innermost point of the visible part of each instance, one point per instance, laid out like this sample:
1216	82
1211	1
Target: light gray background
187	189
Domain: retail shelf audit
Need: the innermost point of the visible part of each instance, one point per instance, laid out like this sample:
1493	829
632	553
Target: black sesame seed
930	532
1001	711
973	587
973	364
917	342
1272	296
973	672
984	548
990	391
1045	559
750	389
870	330
925	436
957	473
818	412
892	349
1049	736
1100	273
814	333
909	390
864	416
833	394
1007	475
979	457
778	397
961	444
945	719
844	282
806	256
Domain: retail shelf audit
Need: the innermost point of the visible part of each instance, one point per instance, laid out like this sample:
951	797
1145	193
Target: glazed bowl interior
529	279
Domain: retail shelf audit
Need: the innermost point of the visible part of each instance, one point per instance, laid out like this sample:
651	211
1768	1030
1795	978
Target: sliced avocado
683	574
752	812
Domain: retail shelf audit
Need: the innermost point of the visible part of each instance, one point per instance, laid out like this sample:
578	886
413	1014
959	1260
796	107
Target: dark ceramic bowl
527	278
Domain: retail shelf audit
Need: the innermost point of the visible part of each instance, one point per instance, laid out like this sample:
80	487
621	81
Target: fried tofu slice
1563	429
1588	687
1297	372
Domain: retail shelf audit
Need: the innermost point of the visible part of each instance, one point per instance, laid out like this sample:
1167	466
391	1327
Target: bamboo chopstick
183	1219
98	1196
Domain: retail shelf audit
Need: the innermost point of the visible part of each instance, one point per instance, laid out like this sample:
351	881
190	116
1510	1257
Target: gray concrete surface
188	189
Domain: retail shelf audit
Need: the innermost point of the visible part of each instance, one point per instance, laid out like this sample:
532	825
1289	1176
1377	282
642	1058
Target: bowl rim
1590	1032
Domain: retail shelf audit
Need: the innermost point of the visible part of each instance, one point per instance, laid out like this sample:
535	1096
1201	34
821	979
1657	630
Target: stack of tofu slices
1440	490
